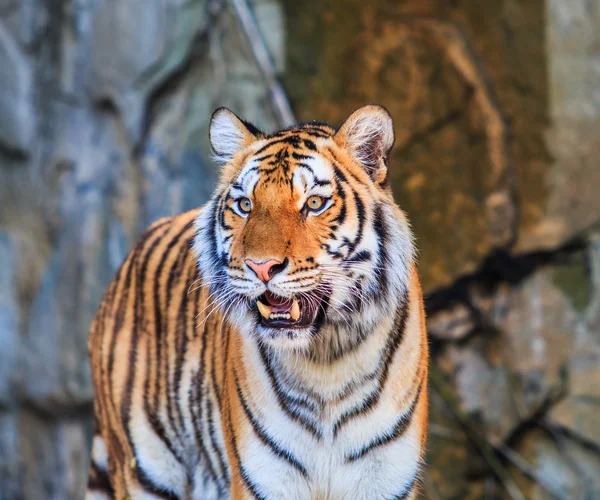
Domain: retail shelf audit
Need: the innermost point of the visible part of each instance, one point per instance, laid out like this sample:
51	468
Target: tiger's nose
266	270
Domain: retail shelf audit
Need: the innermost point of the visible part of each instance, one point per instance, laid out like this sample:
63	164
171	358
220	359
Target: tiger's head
302	235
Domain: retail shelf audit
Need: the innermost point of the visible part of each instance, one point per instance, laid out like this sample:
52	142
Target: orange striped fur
199	395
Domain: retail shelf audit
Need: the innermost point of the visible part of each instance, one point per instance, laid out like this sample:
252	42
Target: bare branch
283	110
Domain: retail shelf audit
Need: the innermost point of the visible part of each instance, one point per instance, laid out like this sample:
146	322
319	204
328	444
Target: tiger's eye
245	205
315	202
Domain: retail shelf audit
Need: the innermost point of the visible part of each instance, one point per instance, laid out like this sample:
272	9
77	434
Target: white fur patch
227	134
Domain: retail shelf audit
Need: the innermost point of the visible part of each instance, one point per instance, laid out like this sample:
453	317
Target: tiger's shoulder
162	254
159	240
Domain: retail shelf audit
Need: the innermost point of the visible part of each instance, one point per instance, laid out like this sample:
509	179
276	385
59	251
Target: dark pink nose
265	270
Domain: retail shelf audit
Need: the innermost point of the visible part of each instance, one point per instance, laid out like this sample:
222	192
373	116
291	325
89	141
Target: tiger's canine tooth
265	311
295	310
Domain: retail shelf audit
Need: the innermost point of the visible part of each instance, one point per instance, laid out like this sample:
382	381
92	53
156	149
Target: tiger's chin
282	339
287	323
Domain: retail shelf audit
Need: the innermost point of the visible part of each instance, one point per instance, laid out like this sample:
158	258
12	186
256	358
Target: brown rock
452	169
450	459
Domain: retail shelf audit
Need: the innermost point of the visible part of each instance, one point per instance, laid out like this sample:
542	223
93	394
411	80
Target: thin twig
283	110
528	470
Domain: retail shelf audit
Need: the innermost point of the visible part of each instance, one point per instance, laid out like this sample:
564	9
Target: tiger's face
302	235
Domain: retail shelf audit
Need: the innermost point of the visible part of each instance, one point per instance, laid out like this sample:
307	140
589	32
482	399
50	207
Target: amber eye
245	205
315	202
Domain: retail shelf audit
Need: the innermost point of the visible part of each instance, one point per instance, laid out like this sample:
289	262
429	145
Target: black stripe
305	166
299	156
403	495
141	271
340	192
310	144
148	485
213	438
267	440
360	213
340	344
122	306
287	403
221	214
382	232
263	158
139	309
181	338
316	133
394	342
336	160
248	172
242	471
217	261
120	318
99	480
213	365
294	140
205	403
255	131
393	434
362	256
195	399
309	401
161	333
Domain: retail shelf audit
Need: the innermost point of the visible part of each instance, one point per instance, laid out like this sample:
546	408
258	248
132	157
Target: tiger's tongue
279	304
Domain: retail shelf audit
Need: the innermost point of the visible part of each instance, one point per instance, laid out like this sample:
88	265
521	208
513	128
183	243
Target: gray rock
16	108
9	457
484	386
177	164
54	456
563	465
56	345
25	19
503	377
578	411
136	45
453	323
9	337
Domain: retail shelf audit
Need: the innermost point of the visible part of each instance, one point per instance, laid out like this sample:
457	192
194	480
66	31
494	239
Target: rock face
104	109
16	100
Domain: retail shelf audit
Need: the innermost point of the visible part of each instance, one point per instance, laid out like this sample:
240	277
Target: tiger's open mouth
298	312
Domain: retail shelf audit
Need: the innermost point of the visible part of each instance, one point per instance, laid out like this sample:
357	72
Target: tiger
272	343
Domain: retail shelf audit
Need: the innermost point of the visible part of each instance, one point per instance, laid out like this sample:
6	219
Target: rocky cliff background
104	108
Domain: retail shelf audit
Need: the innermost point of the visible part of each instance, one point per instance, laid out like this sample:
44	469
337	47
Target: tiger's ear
368	134
228	134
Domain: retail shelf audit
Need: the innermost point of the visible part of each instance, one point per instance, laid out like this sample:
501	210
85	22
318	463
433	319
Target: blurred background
104	109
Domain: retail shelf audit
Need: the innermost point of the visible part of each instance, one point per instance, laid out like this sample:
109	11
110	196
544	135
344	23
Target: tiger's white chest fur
335	440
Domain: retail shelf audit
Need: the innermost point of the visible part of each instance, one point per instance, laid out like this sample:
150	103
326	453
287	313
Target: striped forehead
313	175
308	172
